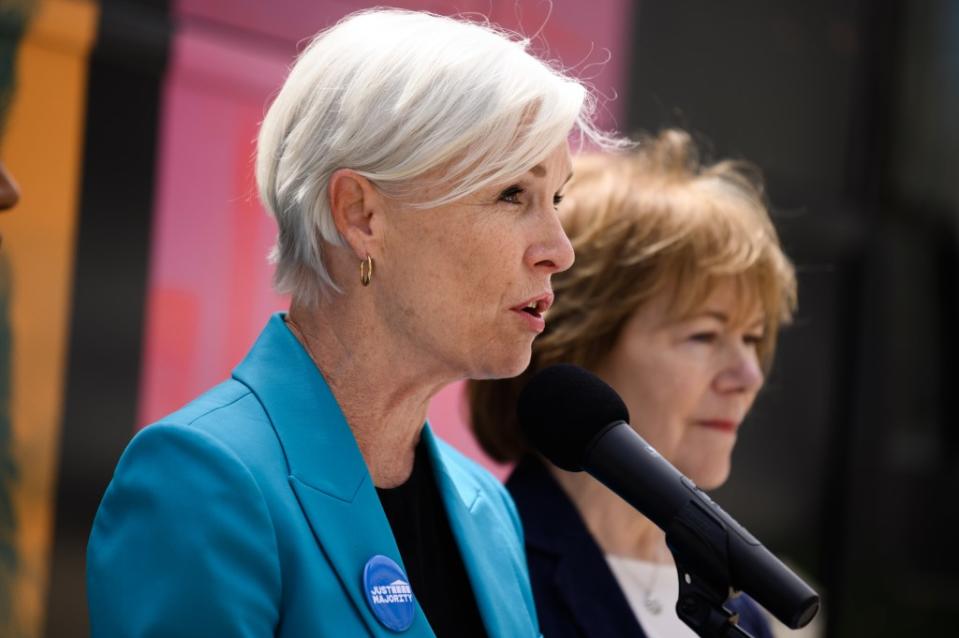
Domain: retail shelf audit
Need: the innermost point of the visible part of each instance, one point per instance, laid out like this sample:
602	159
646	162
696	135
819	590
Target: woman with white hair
413	164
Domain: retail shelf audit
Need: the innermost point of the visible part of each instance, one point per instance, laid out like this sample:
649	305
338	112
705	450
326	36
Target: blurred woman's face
689	382
9	192
465	285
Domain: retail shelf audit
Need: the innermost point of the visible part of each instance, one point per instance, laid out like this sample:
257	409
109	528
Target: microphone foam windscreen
563	408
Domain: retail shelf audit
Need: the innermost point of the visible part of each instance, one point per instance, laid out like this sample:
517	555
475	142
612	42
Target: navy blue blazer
576	594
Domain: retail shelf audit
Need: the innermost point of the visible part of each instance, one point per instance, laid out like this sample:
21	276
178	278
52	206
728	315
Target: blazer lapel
481	538
327	471
593	595
582	577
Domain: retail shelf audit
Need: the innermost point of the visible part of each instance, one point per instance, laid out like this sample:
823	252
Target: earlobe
353	202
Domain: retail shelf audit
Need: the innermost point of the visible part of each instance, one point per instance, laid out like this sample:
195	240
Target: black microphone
580	423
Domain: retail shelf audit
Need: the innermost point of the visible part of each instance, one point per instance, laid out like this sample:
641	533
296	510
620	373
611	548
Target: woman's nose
554	250
742	372
9	192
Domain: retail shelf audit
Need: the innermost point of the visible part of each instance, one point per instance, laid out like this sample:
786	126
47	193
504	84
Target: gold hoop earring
366	271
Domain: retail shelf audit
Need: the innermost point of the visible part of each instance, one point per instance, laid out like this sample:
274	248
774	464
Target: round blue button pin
388	593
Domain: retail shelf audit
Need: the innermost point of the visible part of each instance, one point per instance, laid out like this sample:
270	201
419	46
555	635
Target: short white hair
394	95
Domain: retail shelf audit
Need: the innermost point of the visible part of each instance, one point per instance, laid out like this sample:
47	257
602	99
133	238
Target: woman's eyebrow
722	317
540	171
714	314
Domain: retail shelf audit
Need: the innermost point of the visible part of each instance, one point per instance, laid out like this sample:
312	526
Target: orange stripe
43	149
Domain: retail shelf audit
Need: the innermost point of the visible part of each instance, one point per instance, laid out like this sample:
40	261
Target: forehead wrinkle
540	171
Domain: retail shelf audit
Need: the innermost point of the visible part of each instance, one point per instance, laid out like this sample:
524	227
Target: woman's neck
617	528
380	391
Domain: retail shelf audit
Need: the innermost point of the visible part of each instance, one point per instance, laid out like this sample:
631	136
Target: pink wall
209	292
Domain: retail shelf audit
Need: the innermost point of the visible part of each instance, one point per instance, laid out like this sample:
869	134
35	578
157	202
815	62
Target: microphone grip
612	458
701	534
758	572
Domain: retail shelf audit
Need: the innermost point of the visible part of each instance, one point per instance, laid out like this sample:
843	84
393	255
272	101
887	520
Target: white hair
394	95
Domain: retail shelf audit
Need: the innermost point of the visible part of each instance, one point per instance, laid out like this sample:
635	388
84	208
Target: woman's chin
505	364
712	477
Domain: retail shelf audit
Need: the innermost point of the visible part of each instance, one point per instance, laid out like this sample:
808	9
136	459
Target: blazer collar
582	578
335	490
319	446
484	541
326	470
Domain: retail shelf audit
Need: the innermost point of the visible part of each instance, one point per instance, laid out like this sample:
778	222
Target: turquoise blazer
250	513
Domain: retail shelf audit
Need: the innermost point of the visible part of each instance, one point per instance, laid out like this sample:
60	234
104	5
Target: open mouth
535	308
532	309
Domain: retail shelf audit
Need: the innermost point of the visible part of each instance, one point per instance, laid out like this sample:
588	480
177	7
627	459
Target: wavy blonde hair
652	222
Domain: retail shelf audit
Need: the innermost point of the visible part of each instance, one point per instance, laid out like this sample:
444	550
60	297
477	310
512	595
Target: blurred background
133	272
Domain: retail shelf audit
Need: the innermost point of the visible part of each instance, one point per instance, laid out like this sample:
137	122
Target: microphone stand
701	607
704	580
712	551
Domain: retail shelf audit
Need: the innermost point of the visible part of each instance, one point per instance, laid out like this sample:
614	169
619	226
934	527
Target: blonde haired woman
675	300
413	164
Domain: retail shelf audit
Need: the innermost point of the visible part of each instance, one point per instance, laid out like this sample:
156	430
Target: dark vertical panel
852	444
849	459
126	72
769	81
900	571
773	83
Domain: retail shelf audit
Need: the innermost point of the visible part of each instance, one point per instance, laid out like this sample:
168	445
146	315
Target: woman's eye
511	195
557	200
752	340
704	337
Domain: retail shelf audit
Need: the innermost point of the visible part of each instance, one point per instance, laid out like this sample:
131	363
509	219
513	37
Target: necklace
650	602
643	584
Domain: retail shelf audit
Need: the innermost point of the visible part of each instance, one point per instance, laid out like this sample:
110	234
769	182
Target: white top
652	590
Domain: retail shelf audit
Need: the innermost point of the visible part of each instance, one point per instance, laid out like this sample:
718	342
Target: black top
576	593
430	554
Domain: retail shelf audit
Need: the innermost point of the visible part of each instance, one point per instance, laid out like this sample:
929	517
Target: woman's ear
354	202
